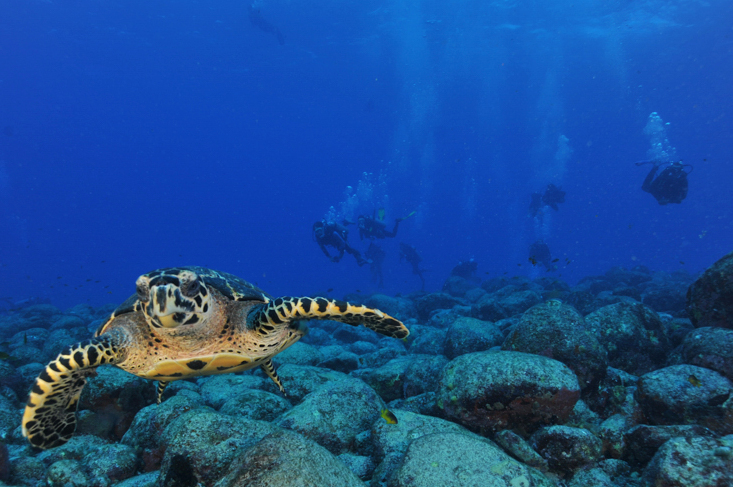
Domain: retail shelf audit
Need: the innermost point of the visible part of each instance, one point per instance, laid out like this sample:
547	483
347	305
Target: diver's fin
285	310
159	391
49	419
269	369
406	217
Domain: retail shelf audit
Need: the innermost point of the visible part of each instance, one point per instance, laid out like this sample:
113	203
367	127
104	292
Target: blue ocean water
145	134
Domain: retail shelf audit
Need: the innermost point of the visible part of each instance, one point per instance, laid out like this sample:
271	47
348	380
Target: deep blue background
143	134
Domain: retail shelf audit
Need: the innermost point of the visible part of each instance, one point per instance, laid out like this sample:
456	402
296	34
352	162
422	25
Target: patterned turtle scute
184	322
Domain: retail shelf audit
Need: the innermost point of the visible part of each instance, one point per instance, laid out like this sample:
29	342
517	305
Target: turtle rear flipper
49	419
284	310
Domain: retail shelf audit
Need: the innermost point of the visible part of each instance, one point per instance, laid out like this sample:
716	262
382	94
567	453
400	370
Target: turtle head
173	297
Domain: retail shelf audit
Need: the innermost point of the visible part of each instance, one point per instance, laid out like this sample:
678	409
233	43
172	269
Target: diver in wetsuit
465	269
409	253
327	233
552	197
371	228
671	184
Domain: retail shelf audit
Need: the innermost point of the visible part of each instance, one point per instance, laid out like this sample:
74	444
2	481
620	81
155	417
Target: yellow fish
388	416
694	381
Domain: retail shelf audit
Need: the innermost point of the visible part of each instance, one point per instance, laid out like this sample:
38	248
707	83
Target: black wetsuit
669	187
371	228
335	235
409	253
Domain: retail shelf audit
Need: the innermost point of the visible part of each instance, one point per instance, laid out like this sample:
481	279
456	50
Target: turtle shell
229	285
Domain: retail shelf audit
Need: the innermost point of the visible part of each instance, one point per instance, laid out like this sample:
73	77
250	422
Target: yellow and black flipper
279	312
49	419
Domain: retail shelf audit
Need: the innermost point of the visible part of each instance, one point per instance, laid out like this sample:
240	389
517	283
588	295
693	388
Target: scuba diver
540	252
671	184
376	255
409	253
335	235
371	227
552	197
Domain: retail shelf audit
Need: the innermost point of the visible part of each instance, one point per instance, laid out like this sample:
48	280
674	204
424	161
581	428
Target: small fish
7	356
532	260
388	416
682	262
555	260
694	381
330	289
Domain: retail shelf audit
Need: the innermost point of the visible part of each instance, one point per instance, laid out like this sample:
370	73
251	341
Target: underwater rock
391	440
334	414
300	354
633	277
458	286
301	380
280	457
427	340
632	334
425	305
556	330
353	334
608	473
467	335
210	441
665	297
66	472
146	431
686	394
218	389
612	433
519	448
401	308
566	448
4	462
389	379
436	460
344	362
424	404
144	480
710	347
254	404
68	322
380	357
710	297
692	462
644	440
491	391
362	348
361	465
9	418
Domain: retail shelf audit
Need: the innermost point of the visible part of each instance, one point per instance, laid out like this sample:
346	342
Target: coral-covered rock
643	441
301	380
335	414
686	394
427	340
458	286
255	404
491	391
210	442
457	459
287	459
710	297
301	354
556	330
391	440
566	448
468	335
425	305
519	448
632	334
710	347
692	462
400	308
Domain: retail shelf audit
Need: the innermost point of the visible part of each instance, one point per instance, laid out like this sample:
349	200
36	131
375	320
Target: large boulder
458	460
710	347
491	391
686	394
710	297
632	334
467	335
557	330
692	462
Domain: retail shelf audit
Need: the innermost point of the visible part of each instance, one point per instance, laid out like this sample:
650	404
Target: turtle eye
190	288
142	288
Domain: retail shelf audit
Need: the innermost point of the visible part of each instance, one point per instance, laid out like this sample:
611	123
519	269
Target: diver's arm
323	248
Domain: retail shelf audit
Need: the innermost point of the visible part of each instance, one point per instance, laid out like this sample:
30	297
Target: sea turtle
183	322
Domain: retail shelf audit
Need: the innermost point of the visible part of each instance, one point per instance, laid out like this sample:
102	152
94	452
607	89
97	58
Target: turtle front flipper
49	419
271	315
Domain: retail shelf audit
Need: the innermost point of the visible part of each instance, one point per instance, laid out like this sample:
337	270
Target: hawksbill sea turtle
183	322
